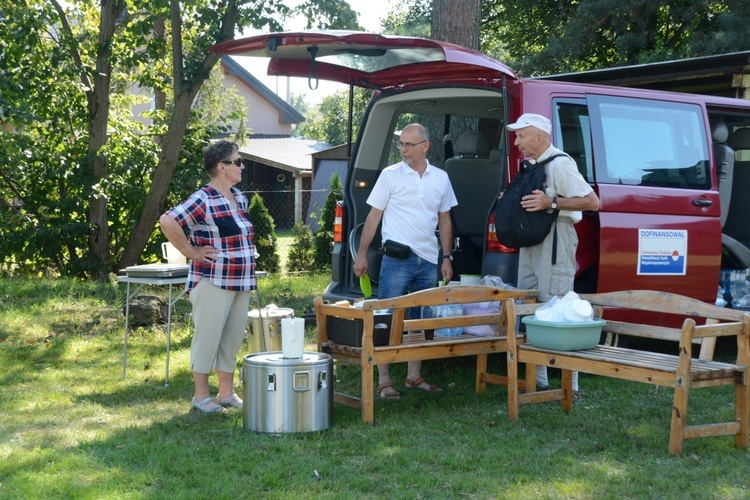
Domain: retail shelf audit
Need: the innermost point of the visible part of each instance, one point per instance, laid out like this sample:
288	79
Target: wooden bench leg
368	398
481	385
567	385
679	418
512	385
530	378
742	413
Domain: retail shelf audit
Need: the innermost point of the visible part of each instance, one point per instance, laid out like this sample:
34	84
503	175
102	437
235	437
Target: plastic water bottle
739	289
446	311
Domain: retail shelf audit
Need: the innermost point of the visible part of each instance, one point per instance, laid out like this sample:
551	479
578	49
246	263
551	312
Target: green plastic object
365	285
563	336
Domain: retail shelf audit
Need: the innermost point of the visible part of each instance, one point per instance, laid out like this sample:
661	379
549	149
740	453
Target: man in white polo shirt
412	198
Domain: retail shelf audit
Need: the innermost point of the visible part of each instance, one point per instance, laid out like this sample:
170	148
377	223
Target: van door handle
703	203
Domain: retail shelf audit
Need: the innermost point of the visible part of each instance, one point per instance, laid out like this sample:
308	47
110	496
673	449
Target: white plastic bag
480	308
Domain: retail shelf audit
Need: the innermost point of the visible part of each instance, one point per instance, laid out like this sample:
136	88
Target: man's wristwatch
553	206
449	257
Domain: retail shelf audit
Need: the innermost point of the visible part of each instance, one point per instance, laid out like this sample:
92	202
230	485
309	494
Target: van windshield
651	143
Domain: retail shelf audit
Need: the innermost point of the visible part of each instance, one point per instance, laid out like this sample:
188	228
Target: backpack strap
547	160
554	239
556	212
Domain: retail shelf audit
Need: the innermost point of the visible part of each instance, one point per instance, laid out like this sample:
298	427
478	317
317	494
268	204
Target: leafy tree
328	15
324	234
548	36
74	164
537	37
298	102
409	19
225	107
266	241
301	256
328	123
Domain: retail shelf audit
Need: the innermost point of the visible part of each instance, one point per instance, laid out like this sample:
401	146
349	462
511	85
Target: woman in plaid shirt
222	272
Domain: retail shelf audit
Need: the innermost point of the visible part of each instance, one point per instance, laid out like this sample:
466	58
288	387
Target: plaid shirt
212	220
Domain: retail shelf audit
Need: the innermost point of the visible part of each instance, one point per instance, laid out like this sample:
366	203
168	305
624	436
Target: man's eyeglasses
408	145
237	162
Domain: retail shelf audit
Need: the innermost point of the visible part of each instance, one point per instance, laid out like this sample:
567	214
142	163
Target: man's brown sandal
417	384
385	394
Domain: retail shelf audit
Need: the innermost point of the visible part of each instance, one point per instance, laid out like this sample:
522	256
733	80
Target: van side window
574	134
649	143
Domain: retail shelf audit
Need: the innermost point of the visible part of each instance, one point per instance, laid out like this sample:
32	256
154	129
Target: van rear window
649	143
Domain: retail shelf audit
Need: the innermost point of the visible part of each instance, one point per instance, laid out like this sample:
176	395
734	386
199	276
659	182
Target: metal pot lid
274	312
277	358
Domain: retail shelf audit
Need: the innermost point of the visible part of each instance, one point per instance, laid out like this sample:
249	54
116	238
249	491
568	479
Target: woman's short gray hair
216	152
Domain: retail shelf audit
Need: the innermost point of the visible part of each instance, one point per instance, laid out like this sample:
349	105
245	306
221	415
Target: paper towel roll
292	337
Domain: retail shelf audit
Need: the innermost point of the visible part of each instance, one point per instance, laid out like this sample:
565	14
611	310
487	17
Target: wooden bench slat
708	430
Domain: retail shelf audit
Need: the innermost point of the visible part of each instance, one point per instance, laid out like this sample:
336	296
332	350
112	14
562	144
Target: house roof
287	153
289	114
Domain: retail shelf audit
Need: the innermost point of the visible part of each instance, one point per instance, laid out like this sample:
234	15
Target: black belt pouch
396	250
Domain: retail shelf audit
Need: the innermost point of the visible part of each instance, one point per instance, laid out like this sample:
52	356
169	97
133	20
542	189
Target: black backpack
514	226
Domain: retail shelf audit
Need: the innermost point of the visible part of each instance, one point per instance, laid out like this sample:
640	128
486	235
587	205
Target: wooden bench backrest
462	294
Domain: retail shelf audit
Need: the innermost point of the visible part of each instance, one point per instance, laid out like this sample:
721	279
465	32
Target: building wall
261	117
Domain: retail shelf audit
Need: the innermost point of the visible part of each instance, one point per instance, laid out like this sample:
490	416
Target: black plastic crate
349	331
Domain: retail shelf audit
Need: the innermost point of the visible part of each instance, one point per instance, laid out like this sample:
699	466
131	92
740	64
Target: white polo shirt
410	206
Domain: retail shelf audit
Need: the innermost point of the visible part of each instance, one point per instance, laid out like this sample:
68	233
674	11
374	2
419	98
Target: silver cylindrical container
284	395
264	328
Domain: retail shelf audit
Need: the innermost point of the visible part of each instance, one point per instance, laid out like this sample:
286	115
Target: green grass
70	426
285	242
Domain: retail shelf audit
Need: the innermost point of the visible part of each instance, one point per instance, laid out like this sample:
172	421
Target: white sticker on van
662	251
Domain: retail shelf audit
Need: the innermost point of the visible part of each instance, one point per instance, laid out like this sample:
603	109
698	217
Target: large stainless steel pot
284	395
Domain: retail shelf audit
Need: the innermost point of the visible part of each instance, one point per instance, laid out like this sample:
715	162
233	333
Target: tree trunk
172	141
157	195
457	22
98	108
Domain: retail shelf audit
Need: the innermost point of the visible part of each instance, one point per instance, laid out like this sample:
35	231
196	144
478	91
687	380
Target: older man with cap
565	190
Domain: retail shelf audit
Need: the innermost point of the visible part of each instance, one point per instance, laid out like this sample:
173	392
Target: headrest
472	144
719	131
740	139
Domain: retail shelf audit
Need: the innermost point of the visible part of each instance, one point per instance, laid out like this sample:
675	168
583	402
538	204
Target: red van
672	170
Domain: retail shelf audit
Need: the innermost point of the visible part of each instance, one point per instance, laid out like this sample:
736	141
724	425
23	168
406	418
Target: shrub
301	252
324	236
266	240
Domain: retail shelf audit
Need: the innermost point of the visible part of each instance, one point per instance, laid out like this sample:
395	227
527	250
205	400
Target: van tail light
492	244
338	223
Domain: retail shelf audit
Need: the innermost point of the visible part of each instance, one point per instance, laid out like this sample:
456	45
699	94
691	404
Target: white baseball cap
532	120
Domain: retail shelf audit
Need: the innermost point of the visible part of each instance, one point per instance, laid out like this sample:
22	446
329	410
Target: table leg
128	296
125	345
169	335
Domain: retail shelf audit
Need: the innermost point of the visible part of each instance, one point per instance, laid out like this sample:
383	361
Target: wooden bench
681	371
407	340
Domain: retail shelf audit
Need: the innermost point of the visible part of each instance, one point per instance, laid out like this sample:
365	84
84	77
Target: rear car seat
475	174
